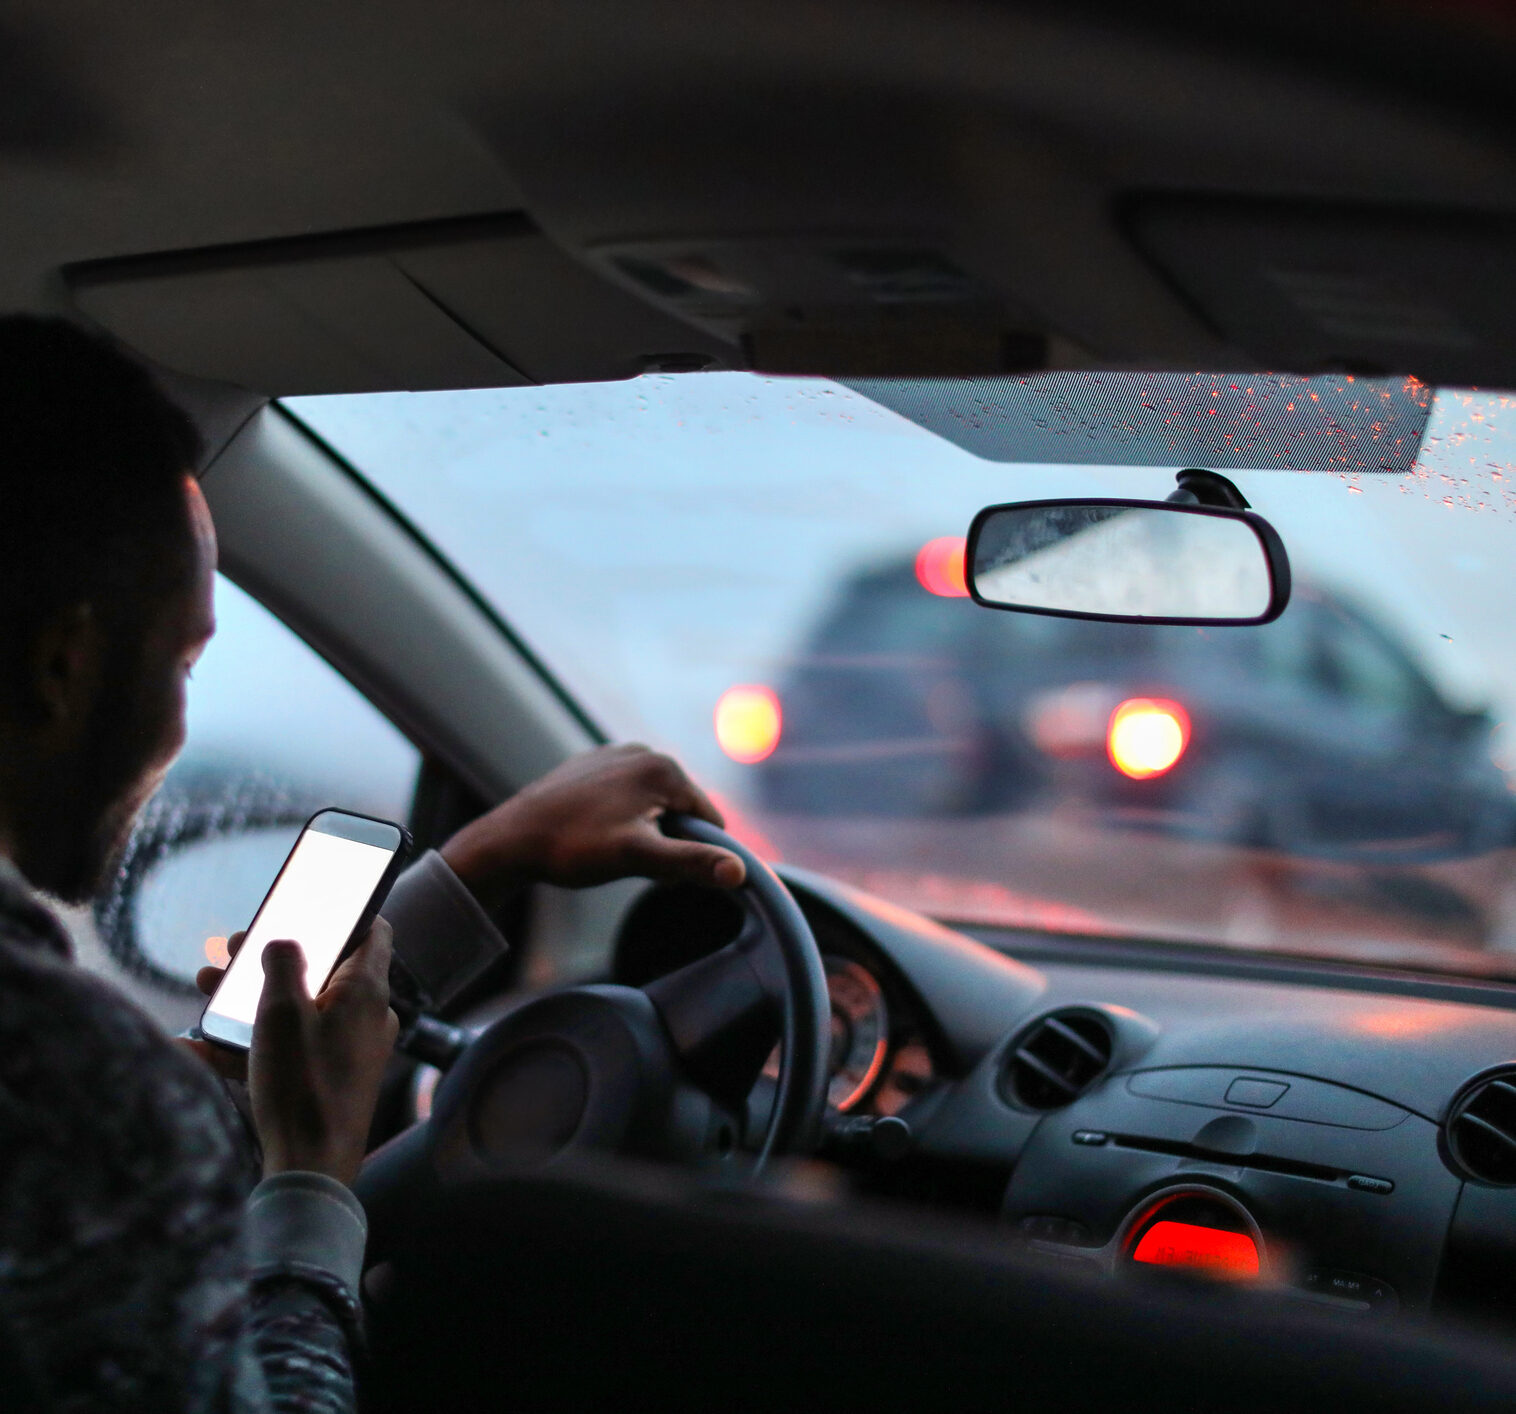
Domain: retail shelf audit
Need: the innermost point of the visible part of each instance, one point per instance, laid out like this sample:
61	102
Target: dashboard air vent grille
1057	1060
1481	1131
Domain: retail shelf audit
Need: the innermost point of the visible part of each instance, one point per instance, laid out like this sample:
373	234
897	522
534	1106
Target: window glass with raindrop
765	576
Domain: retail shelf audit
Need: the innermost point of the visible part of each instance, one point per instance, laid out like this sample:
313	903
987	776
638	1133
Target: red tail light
1147	736
940	567
748	722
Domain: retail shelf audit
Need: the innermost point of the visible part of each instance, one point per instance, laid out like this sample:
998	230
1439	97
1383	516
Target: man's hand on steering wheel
593	819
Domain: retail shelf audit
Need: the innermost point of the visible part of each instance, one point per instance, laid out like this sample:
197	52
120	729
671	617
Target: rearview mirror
1129	562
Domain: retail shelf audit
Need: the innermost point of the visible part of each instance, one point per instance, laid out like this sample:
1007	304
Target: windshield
764	576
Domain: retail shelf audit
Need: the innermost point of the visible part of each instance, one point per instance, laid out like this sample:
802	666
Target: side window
275	733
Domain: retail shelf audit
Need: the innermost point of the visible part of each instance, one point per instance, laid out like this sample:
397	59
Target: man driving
148	1258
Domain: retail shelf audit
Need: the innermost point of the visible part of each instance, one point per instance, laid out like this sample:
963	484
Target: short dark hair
92	458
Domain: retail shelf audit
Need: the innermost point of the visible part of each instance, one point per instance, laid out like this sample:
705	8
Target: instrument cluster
879	1061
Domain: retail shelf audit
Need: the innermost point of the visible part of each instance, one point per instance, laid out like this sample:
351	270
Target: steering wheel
660	1071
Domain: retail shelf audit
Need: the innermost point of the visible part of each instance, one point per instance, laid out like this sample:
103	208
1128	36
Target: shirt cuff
442	935
299	1220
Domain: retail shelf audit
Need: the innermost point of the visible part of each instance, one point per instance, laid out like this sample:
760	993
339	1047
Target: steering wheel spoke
723	1015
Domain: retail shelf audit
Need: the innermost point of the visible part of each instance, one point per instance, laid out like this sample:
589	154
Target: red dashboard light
1147	736
940	567
1232	1256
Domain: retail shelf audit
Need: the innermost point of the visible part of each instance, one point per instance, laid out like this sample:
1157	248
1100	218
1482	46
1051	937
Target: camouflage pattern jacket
141	1266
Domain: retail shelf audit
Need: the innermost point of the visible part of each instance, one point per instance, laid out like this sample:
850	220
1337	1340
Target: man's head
107	559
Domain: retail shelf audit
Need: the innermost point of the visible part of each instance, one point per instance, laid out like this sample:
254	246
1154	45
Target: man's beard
92	867
95	800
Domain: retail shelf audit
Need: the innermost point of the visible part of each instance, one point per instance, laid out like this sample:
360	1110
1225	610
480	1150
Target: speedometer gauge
860	1032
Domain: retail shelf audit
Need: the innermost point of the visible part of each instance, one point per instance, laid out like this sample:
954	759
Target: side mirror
1129	562
197	867
205	888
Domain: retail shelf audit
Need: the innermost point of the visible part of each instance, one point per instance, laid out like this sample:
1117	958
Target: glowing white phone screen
318	901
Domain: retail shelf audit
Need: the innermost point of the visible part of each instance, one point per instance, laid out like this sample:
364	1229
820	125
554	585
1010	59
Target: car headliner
298	198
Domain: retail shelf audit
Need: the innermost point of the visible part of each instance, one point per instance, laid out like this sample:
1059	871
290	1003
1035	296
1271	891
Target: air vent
1481	1130
1056	1060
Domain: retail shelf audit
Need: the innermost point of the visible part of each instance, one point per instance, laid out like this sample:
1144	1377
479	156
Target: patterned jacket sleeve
126	1276
306	1236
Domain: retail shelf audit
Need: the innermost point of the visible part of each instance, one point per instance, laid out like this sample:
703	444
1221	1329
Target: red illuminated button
1233	1255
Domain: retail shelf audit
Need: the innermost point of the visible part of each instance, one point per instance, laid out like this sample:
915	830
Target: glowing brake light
940	567
748	722
1146	736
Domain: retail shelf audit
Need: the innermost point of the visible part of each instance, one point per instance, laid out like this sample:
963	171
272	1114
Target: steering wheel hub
532	1105
590	1067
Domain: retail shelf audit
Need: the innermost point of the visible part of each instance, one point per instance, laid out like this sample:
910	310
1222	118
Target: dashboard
1346	1139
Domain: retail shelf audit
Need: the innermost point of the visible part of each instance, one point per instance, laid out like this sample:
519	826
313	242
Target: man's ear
65	669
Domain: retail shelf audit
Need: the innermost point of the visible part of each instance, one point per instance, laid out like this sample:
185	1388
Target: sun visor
474	302
1317	285
1241	422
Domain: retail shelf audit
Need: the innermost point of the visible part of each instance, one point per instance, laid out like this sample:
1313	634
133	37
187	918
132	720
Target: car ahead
1317	733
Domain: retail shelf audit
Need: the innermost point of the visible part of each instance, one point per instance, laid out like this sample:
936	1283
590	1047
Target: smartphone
324	897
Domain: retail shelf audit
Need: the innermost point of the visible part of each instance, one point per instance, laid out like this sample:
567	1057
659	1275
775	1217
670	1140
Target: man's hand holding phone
315	1064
